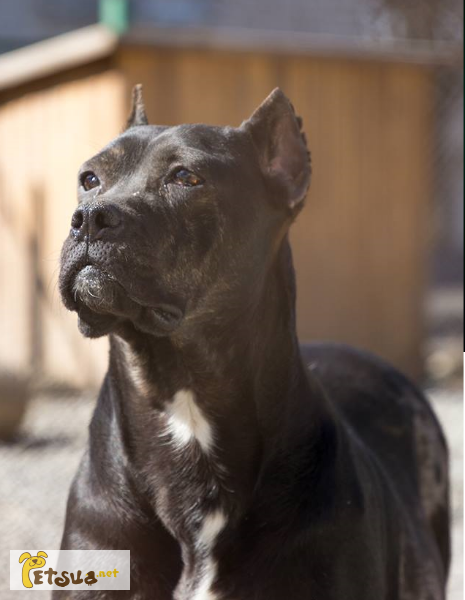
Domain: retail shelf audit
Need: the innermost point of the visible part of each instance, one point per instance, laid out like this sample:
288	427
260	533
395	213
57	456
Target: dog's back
384	412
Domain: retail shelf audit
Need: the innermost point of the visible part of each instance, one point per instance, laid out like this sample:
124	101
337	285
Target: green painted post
114	14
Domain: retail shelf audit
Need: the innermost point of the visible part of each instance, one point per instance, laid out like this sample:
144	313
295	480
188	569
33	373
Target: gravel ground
36	470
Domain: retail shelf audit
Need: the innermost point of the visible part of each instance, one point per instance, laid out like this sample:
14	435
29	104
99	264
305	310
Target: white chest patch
186	421
212	525
203	592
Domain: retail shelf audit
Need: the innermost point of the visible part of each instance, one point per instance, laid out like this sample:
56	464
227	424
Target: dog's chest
187	484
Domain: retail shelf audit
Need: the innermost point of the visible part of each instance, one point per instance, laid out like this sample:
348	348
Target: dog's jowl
232	463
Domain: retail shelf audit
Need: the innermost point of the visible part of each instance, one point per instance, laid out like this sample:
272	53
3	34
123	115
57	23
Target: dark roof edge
97	41
298	43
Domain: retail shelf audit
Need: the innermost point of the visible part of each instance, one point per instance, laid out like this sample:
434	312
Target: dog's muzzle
102	302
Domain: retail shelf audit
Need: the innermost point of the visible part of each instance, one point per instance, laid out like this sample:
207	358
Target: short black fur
328	466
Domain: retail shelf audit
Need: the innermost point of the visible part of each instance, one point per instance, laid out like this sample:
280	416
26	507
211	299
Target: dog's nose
95	220
34	560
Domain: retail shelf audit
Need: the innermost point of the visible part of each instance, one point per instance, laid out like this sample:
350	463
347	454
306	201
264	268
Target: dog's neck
244	367
221	405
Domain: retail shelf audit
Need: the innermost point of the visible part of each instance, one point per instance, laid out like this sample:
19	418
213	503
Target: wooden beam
56	54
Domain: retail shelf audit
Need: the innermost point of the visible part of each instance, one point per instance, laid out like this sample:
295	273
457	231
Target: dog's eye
186	178
89	180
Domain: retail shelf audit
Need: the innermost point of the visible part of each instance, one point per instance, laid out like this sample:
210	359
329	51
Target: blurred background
378	249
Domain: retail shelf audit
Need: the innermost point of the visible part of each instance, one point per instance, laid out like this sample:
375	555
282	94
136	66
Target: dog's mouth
102	303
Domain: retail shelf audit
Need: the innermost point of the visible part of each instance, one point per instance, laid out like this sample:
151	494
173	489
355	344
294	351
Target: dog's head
172	219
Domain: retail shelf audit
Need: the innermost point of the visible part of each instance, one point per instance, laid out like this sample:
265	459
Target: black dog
229	469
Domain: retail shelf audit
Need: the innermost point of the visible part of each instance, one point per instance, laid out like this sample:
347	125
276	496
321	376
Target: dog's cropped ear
42	553
137	115
282	148
23	556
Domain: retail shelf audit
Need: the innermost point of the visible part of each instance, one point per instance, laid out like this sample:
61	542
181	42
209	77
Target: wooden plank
407	130
15	224
48	135
185	86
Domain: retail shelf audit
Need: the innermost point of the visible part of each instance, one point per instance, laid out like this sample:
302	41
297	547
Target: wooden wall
45	134
359	245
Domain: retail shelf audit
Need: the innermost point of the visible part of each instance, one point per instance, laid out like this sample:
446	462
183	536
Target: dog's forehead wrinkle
202	139
136	159
179	154
143	134
126	149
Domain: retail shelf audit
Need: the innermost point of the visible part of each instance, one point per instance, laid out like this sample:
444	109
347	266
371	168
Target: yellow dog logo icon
32	562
